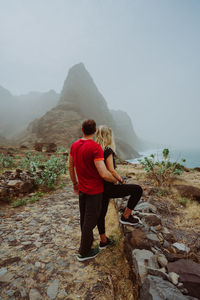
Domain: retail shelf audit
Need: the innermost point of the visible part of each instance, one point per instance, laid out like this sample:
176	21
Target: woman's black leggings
118	191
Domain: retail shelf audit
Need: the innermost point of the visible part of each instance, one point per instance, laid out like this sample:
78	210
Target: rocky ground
39	244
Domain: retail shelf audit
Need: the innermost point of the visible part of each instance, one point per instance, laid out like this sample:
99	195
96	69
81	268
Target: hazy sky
144	56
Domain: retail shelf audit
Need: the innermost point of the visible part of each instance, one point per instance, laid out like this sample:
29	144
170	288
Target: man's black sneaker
93	253
130	221
102	245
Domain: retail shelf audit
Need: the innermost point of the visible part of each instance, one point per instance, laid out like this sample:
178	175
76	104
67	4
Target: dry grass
131	171
113	263
189	178
191	213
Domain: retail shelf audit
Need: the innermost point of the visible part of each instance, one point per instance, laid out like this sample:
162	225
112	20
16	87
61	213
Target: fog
144	56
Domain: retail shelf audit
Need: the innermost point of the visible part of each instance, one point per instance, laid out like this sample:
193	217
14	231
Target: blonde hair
104	137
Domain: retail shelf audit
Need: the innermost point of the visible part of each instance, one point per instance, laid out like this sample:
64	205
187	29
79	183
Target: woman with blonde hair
104	137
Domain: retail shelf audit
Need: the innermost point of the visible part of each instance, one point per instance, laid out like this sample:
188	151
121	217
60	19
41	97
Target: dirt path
38	251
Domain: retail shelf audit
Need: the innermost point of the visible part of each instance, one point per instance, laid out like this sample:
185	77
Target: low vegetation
179	213
6	162
162	172
23	201
47	171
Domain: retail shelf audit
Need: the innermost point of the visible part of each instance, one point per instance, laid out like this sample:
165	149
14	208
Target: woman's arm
111	169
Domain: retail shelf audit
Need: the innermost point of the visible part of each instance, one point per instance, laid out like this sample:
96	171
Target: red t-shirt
85	153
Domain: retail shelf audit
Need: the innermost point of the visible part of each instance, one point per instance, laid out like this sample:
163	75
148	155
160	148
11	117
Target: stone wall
50	147
160	265
16	184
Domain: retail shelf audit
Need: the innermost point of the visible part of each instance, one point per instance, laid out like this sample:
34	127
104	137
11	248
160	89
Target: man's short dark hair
89	127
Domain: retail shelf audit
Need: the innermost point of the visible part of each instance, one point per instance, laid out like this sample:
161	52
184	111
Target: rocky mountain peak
79	77
80	91
80	99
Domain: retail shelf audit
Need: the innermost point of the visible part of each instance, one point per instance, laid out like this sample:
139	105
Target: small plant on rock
183	201
162	171
19	202
34	199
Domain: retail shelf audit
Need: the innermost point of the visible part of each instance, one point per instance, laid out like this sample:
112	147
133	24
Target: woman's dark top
107	152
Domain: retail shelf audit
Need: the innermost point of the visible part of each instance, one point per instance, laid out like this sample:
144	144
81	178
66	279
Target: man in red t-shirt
86	162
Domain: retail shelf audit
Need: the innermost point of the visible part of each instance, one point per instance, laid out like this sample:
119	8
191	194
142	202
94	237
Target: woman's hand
121	180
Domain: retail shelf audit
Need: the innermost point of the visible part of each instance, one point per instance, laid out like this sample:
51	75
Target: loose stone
181	247
34	295
173	278
53	289
162	260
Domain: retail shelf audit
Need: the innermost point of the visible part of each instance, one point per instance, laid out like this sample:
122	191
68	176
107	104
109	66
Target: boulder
151	219
189	273
142	260
23	147
181	248
168	235
158	272
155	288
146	207
171	256
188	191
154	240
4	196
38	147
51	147
15	183
139	240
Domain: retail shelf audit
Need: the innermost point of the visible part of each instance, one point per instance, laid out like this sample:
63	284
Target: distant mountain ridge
80	99
16	112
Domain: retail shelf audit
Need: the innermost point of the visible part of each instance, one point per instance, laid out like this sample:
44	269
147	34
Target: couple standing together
95	180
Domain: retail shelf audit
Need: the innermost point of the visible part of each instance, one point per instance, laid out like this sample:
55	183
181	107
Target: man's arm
72	174
103	172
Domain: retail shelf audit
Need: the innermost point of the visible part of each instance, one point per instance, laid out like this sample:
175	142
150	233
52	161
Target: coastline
192	156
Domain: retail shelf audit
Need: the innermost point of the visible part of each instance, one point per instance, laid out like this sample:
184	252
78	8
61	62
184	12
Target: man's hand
73	175
76	191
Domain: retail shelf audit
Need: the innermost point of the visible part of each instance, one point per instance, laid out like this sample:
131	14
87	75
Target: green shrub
45	171
53	168
32	161
162	171
6	161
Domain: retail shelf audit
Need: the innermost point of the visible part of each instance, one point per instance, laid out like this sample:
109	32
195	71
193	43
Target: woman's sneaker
102	245
130	221
93	253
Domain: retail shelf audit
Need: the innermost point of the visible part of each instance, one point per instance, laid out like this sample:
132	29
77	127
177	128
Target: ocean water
192	156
